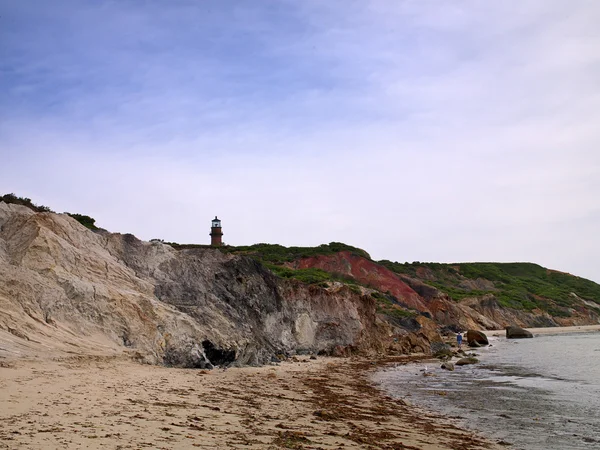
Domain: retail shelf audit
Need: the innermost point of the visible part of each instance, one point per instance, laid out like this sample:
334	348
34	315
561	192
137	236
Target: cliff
474	295
65	288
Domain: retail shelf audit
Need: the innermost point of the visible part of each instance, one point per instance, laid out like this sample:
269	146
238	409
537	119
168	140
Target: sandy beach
112	402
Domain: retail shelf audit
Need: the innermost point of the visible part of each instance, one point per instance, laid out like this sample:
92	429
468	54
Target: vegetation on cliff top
84	220
23	201
278	254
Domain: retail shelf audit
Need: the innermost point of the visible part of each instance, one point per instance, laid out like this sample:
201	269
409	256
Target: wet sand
113	402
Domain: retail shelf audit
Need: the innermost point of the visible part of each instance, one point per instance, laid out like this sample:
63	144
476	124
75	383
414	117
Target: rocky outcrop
517	333
476	338
460	315
66	288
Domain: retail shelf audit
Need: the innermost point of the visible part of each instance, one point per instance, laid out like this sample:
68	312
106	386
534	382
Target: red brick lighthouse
216	233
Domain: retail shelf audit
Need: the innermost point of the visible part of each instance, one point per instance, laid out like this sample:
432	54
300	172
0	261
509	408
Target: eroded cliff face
65	288
368	273
477	312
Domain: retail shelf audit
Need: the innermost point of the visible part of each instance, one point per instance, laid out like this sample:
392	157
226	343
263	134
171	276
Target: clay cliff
66	288
465	303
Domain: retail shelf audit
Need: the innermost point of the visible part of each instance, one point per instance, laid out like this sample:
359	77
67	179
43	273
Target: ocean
539	394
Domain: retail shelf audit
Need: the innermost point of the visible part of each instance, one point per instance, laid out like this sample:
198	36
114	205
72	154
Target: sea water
540	393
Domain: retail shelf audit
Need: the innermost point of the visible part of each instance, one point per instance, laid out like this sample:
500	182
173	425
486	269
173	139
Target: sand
107	400
84	401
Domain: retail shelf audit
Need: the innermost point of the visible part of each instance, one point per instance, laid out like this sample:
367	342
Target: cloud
419	130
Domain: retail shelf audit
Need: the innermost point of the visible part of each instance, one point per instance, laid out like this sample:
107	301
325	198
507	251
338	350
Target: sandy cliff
65	288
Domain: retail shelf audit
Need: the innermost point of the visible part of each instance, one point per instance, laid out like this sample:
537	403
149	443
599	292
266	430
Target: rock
448	366
466	361
517	333
441	350
476	337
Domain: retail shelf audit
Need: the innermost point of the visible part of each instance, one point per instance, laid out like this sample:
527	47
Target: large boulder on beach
476	337
517	333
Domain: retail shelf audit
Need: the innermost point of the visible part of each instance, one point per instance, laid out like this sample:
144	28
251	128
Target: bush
86	221
24	201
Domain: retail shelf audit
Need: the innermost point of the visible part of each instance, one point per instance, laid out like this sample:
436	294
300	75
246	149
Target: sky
418	130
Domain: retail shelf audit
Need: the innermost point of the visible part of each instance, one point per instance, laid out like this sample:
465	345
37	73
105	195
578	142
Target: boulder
479	337
448	366
465	361
517	333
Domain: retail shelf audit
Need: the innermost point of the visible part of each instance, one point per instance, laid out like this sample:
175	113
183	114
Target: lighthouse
216	233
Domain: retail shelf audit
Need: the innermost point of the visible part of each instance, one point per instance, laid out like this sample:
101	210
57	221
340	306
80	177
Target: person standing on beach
459	340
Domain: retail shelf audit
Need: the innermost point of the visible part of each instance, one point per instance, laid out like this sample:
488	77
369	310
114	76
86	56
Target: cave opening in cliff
218	356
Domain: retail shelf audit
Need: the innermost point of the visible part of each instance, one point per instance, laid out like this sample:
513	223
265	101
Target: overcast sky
418	130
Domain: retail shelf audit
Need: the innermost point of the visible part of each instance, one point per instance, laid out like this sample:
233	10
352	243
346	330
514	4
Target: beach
83	401
534	394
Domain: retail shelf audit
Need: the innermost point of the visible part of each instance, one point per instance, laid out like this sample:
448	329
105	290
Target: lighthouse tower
216	233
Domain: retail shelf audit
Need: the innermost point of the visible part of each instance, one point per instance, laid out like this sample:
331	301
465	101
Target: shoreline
497	337
107	401
548	330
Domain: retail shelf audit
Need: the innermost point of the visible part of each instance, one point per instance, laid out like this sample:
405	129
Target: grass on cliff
312	276
274	256
524	286
278	254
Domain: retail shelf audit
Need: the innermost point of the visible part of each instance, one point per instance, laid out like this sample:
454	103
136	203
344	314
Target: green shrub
86	221
24	201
